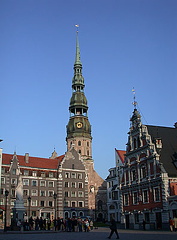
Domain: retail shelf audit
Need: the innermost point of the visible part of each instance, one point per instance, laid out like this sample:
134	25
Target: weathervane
134	102
77	26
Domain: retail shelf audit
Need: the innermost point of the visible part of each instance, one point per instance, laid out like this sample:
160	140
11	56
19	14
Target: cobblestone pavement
96	234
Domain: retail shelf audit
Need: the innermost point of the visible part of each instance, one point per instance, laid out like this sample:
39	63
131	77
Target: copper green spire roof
77	59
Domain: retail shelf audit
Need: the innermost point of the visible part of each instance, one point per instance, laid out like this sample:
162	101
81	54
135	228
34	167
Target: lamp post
29	203
5	219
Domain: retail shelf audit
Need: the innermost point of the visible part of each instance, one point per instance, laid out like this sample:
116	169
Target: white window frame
50	195
67	175
34	192
41	183
154	191
34	173
81	202
51	174
25	182
27	191
73	175
49	182
13	181
41	195
34	203
34	185
80	194
145	190
81	184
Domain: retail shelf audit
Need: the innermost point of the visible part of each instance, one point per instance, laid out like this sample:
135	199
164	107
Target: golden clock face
79	125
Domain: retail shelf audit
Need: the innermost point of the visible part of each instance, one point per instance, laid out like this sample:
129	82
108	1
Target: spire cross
134	98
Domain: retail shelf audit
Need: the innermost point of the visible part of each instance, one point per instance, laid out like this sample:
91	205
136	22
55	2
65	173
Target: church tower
79	128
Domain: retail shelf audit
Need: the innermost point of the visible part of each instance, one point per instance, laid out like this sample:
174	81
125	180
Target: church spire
77	59
79	128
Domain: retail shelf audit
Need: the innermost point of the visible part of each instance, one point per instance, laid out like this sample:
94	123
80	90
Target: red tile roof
33	162
121	154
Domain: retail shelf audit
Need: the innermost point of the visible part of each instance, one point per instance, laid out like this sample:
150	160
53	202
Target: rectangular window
34	174
2	180
42	183
51	184
42	174
50	193
73	175
12	202
42	203
26	182
80	185
80	194
2	191
26	172
13	193
157	194
79	175
73	184
50	174
81	204
73	204
73	194
25	192
114	195
145	196
42	193
66	175
34	183
1	201
66	194
34	192
13	181
126	200
34	203
50	204
66	184
135	198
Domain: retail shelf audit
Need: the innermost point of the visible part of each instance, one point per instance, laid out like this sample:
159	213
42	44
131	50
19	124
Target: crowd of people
69	225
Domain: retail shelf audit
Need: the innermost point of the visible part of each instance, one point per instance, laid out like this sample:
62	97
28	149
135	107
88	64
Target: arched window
87	144
79	143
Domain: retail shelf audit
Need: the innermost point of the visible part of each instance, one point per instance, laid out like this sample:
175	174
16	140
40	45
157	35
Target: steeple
77	59
79	128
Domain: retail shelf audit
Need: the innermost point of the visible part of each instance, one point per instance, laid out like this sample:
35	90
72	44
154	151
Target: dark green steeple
78	128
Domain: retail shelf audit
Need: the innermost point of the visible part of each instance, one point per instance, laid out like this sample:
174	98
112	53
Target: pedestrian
171	223
175	223
113	228
144	224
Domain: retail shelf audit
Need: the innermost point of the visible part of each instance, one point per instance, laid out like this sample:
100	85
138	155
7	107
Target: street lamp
29	203
5	219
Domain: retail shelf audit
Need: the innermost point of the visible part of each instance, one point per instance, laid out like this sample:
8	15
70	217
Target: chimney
175	125
27	157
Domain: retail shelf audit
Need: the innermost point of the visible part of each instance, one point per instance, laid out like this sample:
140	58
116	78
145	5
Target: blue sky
124	44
